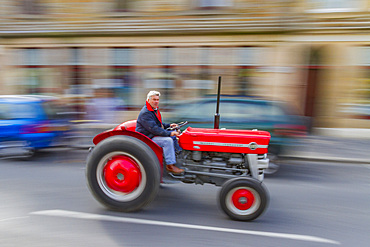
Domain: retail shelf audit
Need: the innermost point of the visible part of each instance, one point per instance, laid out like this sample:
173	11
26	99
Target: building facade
313	54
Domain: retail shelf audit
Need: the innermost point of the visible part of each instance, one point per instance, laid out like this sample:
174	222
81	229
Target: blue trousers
168	145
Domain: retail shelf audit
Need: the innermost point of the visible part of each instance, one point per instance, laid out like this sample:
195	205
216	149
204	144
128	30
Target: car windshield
53	109
17	111
231	110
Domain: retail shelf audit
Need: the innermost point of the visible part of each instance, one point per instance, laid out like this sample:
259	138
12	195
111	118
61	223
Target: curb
329	159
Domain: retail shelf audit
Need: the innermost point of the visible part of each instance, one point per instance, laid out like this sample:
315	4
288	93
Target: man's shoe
174	169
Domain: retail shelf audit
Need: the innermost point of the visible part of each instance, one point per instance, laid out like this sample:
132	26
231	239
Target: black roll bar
217	115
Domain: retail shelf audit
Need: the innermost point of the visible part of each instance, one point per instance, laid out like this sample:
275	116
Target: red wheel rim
242	199
121	173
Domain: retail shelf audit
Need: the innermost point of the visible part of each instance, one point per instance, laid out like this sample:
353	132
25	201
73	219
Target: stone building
313	54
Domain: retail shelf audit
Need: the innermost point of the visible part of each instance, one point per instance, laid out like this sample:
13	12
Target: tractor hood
225	140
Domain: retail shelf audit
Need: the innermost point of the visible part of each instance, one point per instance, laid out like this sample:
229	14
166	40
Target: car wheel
243	199
123	173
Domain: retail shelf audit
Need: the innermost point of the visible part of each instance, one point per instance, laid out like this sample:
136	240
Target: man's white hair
152	93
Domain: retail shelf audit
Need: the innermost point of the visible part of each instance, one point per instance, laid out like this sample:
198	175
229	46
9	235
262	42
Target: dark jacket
149	123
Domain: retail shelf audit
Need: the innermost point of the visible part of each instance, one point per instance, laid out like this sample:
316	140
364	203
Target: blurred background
100	58
299	69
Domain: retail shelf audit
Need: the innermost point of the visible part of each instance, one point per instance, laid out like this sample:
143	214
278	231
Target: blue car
29	123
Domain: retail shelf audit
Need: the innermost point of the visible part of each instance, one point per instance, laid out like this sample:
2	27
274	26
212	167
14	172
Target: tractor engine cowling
225	140
219	154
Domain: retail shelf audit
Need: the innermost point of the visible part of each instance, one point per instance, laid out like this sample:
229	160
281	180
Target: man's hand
174	125
175	133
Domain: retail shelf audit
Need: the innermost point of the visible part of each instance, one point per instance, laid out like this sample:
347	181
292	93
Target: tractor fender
116	132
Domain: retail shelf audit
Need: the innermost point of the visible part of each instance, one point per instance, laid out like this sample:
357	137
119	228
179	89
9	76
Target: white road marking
14	218
88	216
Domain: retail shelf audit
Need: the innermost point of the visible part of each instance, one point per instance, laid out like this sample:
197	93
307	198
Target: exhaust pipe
217	115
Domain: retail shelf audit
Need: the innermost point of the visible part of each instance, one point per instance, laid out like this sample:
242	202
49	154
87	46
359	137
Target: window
204	110
361	107
247	59
31	7
30	73
236	111
122	56
122	5
122	73
363	90
333	5
23	111
357	104
214	3
5	111
39	70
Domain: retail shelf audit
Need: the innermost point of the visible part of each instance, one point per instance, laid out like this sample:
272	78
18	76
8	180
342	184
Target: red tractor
125	168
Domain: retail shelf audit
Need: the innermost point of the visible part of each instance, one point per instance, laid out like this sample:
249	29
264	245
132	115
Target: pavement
330	145
332	149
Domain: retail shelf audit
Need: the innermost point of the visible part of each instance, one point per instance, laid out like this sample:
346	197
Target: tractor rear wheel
243	198
123	173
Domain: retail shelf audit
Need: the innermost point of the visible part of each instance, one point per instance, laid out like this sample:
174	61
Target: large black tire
142	160
243	198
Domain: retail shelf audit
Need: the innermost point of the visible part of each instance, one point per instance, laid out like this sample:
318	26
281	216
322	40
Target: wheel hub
242	199
120	177
122	174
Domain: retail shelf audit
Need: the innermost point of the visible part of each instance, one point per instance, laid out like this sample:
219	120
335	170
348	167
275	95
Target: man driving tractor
124	169
149	123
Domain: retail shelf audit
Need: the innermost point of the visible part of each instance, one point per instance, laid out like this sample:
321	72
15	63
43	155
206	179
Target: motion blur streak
88	216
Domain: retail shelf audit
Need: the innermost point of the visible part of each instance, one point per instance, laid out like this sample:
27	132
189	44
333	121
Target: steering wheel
181	124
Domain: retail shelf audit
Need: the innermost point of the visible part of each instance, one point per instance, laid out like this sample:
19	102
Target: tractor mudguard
118	131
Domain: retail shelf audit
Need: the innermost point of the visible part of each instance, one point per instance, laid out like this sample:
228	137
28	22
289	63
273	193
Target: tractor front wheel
243	198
